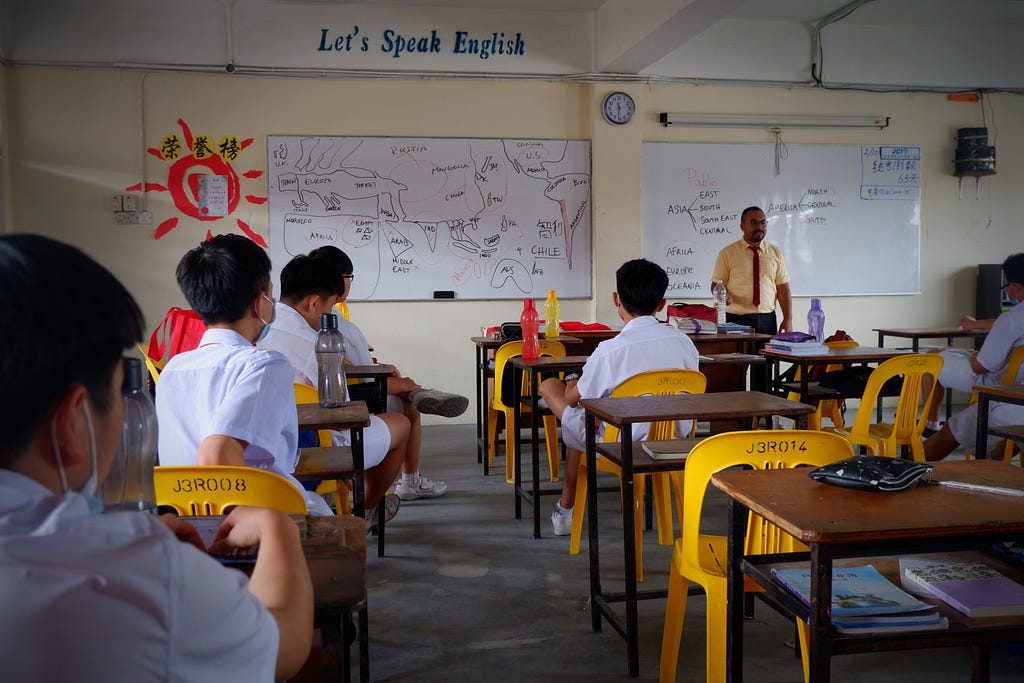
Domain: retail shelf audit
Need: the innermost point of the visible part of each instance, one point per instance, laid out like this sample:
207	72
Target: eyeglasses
755	221
1003	288
350	277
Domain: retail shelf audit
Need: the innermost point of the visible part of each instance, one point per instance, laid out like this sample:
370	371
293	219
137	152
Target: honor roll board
847	217
427	218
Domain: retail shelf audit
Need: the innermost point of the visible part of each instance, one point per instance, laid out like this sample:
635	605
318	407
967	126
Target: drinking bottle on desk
552	328
330	362
719	295
816	320
530	322
129	485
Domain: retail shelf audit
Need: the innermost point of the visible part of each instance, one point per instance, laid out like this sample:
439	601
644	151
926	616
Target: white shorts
376	441
964	425
957	373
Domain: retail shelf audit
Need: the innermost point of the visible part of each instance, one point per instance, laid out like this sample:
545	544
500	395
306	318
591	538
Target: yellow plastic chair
213	489
154	366
504	353
339	487
827	407
907	427
667	382
1009	377
702	558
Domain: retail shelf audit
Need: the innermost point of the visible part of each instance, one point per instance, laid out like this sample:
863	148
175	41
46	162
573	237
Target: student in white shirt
643	344
123	595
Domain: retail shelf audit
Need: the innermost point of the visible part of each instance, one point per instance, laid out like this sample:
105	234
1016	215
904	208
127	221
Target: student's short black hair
641	285
749	209
221	276
1013	268
65	320
335	257
305	275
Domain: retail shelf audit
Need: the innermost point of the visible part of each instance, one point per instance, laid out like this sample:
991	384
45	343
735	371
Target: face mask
266	323
92	483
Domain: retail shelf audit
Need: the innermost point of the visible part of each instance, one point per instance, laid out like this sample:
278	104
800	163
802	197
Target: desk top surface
821	513
719	405
364	371
549	362
928	332
495	342
350	415
852	354
1010	391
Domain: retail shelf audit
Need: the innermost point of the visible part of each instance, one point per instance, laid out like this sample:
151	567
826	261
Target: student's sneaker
561	520
391	505
424	488
434	402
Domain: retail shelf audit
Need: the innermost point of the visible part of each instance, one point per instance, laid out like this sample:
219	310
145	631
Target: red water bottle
530	323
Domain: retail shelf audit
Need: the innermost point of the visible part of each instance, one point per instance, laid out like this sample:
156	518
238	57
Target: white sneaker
391	505
561	520
434	402
426	488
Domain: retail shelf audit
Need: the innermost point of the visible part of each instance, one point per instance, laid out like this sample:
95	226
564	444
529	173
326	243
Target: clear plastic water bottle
816	320
530	322
330	362
129	485
718	293
552	329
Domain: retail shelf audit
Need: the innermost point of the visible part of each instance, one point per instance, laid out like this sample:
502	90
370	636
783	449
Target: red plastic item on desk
530	322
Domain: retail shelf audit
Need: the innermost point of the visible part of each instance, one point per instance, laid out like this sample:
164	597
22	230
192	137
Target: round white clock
618	108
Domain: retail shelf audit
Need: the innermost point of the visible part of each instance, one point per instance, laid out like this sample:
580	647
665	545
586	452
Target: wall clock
618	108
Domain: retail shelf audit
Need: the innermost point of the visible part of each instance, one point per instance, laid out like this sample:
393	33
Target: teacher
755	276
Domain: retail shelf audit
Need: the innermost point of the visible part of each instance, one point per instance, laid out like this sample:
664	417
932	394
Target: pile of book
693	325
804	348
865	602
973	588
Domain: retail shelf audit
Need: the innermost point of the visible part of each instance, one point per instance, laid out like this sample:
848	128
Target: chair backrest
1013	364
667	382
154	366
912	407
307	394
548	347
760	450
211	489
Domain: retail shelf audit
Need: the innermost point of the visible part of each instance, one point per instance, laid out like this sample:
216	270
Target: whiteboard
847	217
476	218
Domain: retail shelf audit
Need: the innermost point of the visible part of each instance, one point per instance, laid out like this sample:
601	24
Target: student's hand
245	527
967	323
401	386
185	532
394	370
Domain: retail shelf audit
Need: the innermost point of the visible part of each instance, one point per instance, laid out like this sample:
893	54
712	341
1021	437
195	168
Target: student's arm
572	394
785	299
280	579
969	324
976	366
218	449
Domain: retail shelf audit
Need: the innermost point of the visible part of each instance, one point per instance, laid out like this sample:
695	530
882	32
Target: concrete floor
466	593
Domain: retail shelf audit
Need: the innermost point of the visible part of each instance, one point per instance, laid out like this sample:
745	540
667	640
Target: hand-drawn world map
482	218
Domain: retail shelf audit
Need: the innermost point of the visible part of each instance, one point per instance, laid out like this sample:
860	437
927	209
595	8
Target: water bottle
129	485
330	362
552	329
530	323
718	293
816	320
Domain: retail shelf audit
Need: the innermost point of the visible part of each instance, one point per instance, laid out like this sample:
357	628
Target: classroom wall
74	137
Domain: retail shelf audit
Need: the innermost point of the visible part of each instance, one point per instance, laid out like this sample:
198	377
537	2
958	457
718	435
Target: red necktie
757	275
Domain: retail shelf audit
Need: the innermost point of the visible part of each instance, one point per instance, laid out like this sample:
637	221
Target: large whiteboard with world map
423	217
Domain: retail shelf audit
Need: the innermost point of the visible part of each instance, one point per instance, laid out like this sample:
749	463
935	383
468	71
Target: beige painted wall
73	138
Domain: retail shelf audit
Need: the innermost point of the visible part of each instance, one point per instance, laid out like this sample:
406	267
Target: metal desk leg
819	642
980	445
481	427
512	432
593	549
629	548
734	616
535	465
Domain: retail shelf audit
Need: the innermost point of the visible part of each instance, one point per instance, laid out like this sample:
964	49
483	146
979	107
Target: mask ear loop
92	435
56	454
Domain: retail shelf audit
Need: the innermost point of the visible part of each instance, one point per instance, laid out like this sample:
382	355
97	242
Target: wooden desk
1007	393
837	522
624	413
379	374
544	364
916	334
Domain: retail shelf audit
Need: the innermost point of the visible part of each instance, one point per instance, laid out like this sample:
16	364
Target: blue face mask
266	323
91	485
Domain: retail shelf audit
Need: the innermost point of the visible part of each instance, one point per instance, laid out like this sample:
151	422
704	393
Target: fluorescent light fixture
773	121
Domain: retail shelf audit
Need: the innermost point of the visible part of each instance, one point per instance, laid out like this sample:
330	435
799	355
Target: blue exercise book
855	591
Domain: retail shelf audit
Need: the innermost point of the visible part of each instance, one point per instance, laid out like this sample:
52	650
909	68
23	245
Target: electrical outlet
128	202
145	217
116	202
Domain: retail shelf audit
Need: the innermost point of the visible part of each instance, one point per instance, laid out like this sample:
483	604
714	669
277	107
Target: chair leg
675	612
803	633
579	508
492	435
510	447
715	632
639	488
551	438
663	508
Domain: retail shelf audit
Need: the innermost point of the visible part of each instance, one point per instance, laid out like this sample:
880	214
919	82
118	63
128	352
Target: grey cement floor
466	593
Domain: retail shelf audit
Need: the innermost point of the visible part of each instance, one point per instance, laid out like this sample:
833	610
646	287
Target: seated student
643	344
963	369
121	596
310	287
228	402
405	396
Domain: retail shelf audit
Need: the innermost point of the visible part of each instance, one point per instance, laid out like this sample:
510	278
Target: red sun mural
193	157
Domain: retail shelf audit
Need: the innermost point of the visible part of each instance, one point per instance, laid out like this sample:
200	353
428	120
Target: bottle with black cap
129	485
330	362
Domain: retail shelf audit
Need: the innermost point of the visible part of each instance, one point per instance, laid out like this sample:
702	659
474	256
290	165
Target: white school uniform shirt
228	386
1007	333
119	598
292	337
643	344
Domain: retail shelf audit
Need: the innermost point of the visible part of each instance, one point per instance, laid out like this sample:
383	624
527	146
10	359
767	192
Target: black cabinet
990	299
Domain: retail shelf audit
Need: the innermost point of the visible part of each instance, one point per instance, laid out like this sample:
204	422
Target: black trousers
763	323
